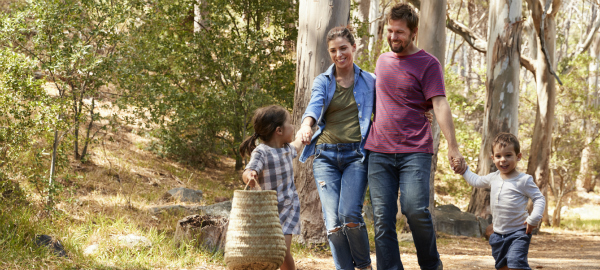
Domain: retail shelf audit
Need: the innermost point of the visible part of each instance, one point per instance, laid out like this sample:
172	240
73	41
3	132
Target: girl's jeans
341	180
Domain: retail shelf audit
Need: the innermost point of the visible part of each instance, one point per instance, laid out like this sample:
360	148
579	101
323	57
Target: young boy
510	192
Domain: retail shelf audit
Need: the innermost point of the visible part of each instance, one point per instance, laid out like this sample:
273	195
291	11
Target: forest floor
552	249
110	194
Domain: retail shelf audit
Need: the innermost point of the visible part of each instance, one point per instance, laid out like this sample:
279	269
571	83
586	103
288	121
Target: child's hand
250	175
429	116
305	134
529	227
456	164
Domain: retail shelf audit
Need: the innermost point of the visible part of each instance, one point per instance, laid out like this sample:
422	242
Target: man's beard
399	49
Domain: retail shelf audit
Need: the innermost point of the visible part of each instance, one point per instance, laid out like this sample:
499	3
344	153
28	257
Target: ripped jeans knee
344	229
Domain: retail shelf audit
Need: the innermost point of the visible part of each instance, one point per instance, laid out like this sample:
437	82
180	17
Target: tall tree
361	18
432	39
544	21
316	19
502	82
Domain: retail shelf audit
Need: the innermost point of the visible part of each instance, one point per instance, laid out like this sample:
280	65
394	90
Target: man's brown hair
406	13
504	139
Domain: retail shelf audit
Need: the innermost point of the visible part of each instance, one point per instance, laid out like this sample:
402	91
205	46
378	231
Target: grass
577	224
109	196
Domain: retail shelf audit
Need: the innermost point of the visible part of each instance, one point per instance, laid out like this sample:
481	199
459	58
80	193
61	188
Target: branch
582	47
543	42
470	37
478	43
527	63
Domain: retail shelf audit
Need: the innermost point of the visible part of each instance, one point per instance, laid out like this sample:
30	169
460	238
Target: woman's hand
305	134
429	116
249	175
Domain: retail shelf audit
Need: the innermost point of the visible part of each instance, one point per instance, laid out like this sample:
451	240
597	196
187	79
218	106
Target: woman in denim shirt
342	98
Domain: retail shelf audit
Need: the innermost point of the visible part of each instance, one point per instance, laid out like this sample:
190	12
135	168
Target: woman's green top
341	118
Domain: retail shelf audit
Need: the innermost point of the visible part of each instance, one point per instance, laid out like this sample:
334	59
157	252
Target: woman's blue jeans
408	172
341	179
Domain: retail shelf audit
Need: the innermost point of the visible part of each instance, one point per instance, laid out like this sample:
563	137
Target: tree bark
432	39
539	154
363	17
316	19
502	83
377	23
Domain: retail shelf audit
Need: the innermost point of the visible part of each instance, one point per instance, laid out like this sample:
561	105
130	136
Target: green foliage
25	122
201	88
74	44
467	110
576	122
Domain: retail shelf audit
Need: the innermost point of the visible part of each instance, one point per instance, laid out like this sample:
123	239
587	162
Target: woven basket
254	237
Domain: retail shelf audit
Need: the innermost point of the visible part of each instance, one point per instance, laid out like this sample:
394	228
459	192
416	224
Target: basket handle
257	186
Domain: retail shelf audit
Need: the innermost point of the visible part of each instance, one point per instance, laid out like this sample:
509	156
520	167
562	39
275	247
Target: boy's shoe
367	268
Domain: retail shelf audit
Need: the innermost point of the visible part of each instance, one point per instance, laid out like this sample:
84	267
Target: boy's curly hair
504	139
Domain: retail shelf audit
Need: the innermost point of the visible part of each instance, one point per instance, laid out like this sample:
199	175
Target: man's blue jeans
341	180
408	172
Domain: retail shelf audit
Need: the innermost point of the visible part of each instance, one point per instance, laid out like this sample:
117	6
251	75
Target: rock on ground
133	241
186	195
53	244
450	220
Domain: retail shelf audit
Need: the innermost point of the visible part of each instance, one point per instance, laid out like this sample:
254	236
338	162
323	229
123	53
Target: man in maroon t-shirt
409	82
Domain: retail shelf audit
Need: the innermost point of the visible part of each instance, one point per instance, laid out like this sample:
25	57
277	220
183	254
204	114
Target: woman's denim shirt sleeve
322	93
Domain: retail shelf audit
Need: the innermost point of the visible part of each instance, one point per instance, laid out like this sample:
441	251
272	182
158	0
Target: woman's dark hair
265	122
340	31
406	13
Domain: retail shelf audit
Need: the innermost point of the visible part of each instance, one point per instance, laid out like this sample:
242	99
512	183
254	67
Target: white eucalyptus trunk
502	81
316	18
540	152
432	39
362	16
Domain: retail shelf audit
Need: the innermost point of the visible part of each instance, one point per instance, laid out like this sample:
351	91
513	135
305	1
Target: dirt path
564	250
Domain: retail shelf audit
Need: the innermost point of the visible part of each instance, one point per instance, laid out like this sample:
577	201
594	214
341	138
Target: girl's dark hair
340	31
265	122
406	13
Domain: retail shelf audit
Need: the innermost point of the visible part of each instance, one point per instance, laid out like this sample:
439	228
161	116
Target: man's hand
249	175
457	161
529	227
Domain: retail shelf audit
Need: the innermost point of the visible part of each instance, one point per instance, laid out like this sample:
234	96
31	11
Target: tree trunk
377	23
363	18
316	19
502	83
584	179
539	154
432	39
556	215
198	14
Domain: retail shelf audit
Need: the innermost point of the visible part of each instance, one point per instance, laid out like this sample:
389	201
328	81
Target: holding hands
305	134
457	162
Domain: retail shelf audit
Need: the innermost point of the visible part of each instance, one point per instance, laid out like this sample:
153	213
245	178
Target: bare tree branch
478	43
584	46
470	37
527	63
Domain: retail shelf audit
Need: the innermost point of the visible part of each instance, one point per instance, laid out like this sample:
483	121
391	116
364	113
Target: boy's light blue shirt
320	98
